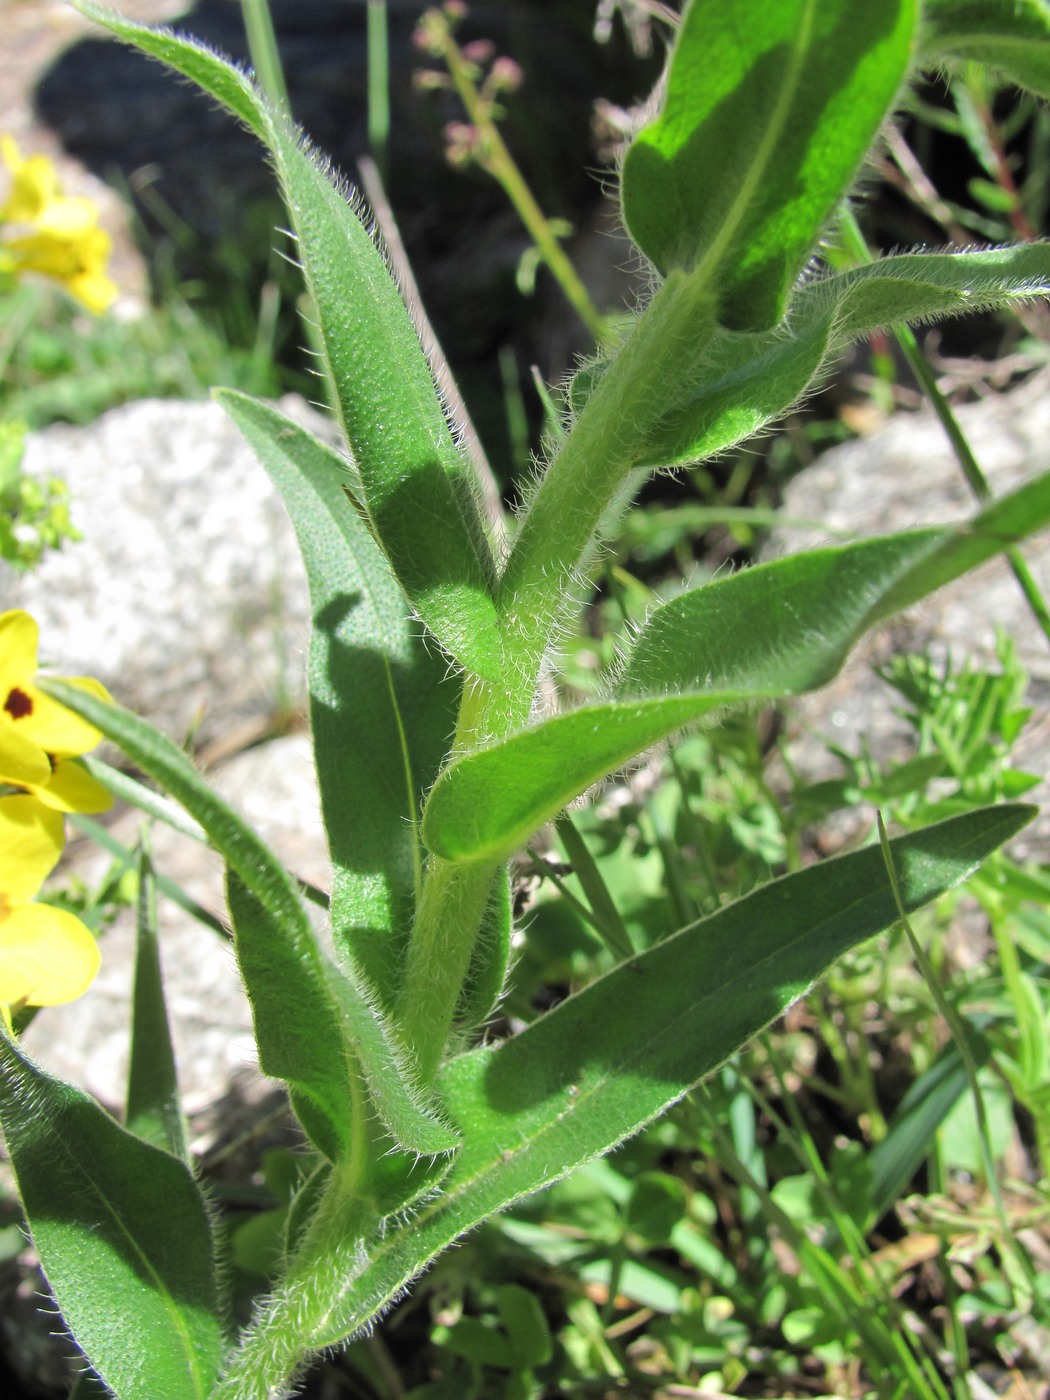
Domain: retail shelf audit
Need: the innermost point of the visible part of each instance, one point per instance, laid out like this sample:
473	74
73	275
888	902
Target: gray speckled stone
186	596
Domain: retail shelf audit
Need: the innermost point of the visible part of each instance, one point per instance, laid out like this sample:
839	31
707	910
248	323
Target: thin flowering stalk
481	141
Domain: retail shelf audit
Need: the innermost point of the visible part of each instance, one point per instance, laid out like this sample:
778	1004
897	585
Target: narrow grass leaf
153	1109
913	1127
382	706
127	860
123	1235
610	1059
770	109
1011	36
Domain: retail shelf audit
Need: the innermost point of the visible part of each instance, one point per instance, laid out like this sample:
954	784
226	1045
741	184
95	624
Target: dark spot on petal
18	704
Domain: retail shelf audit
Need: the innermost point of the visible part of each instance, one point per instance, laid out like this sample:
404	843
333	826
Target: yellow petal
69	218
31	839
22	763
47	956
34	184
93	290
19	638
71	788
55	729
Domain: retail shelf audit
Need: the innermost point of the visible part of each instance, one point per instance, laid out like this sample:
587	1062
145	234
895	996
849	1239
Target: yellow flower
39	738
62	239
34	184
47	956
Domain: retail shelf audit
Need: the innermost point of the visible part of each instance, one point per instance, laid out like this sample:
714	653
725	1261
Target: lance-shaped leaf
419	488
778	629
1011	36
223	80
382	706
606	1061
745	382
792	622
153	1109
123	1235
489	803
304	1033
769	110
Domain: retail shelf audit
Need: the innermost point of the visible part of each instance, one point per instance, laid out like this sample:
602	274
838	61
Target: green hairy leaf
573	1085
225	82
123	1235
777	629
744	631
770	108
1010	36
489	803
381	705
744	382
419	488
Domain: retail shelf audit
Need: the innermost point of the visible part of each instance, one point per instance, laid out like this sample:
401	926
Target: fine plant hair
441	742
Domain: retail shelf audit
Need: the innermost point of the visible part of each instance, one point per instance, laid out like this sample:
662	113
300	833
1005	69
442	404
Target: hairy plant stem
448	920
296	1320
664	349
576	492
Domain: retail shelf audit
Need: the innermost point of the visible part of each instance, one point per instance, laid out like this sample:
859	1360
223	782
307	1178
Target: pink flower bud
479	51
505	75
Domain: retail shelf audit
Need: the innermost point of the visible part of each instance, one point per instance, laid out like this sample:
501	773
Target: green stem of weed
1007	1243
448	919
262	45
295	1321
378	85
582	481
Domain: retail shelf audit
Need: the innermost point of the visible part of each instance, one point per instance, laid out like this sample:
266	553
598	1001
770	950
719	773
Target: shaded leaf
606	1061
769	110
382	706
123	1235
1011	36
